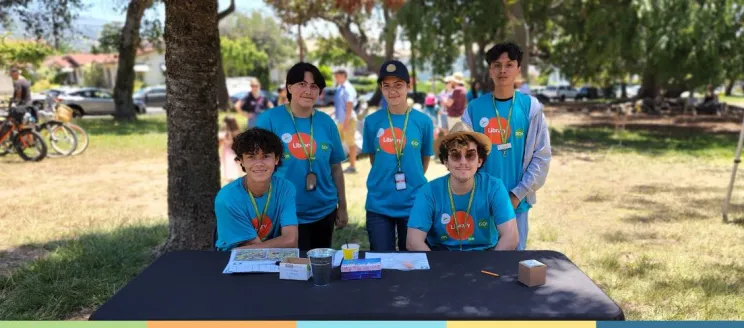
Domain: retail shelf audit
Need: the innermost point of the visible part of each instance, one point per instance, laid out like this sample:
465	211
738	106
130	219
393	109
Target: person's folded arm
508	236
288	239
420	220
416	240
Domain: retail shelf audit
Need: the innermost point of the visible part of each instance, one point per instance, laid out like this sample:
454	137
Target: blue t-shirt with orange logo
237	220
482	114
325	150
432	213
382	195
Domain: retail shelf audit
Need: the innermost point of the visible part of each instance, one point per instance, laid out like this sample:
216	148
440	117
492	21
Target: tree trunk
730	87
469	56
193	163
128	44
648	86
515	14
223	97
299	42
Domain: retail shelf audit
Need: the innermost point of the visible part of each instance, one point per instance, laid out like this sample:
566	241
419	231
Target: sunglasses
470	155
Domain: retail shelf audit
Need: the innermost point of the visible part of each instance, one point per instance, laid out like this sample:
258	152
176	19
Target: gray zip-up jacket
537	153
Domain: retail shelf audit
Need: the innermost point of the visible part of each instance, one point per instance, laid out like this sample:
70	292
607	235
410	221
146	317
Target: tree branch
227	11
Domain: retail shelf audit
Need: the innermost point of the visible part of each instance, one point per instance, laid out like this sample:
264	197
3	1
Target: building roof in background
81	59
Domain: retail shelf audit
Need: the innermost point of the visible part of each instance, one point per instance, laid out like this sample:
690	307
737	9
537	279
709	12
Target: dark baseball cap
393	68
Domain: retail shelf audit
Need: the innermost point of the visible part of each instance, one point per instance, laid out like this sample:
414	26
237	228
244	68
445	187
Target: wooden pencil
490	273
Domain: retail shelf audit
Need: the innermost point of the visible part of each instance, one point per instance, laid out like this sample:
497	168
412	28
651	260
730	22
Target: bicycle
62	138
15	137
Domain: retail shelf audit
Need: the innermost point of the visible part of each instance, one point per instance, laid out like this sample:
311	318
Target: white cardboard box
293	268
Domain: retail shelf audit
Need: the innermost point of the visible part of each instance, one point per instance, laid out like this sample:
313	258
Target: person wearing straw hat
445	215
257	210
399	142
457	100
515	124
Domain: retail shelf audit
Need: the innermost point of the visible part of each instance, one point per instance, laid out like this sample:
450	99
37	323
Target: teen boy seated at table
257	210
465	210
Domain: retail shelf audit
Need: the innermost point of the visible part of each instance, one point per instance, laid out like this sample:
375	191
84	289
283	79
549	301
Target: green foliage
335	51
265	33
240	57
326	72
108	38
94	75
50	20
22	52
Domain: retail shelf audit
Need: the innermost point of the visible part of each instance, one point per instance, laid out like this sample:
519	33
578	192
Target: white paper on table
337	258
258	260
398	261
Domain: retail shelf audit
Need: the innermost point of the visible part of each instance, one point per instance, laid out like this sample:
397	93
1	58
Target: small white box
293	268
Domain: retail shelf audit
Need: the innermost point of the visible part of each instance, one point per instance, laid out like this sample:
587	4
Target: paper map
401	261
258	260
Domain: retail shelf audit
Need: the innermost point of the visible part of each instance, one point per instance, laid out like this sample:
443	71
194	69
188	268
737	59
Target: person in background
344	101
444	97
430	108
516	126
476	90
399	142
253	103
281	98
258	210
457	101
228	132
312	157
21	88
465	210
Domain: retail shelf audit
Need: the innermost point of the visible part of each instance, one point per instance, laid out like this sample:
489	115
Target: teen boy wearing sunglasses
445	215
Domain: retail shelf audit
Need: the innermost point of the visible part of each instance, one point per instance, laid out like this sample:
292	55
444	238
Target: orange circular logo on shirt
265	227
386	140
295	146
465	225
494	133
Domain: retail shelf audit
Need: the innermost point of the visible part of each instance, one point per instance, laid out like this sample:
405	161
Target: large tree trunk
521	32
193	163
730	87
299	42
469	56
223	97
128	44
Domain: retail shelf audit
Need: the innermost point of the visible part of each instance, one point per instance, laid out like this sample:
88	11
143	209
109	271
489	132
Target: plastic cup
351	251
321	265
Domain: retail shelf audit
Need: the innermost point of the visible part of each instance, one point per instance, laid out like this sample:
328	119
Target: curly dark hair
460	141
256	140
510	48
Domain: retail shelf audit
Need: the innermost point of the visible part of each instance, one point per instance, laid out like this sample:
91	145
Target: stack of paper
258	260
401	261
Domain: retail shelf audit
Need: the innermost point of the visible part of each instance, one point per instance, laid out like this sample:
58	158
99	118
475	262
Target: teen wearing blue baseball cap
399	142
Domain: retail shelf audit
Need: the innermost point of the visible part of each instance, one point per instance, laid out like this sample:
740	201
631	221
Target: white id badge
504	146
400	181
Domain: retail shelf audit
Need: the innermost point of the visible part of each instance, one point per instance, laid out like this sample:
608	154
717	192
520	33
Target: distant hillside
84	35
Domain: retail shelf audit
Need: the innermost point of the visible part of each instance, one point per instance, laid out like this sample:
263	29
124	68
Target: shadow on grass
729	283
354	232
109	126
647	139
77	274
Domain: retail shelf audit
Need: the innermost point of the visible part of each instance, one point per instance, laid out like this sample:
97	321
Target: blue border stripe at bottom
371	324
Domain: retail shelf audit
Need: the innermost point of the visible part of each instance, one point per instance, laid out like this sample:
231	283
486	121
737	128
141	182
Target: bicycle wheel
61	137
30	145
82	138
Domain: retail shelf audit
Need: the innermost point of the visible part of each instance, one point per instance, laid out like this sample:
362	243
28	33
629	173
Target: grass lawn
638	211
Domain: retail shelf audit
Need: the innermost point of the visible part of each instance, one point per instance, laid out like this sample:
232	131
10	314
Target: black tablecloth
190	285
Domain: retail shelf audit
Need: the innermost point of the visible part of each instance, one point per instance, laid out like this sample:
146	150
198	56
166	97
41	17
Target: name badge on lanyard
504	146
400	181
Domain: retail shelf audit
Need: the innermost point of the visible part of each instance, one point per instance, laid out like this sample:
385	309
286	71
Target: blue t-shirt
237	220
382	196
344	93
483	116
432	213
326	150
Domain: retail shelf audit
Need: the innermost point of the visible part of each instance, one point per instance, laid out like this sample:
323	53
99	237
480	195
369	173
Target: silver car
92	101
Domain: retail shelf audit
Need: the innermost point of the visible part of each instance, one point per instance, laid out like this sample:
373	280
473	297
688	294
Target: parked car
560	92
151	96
240	94
587	93
92	101
326	97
